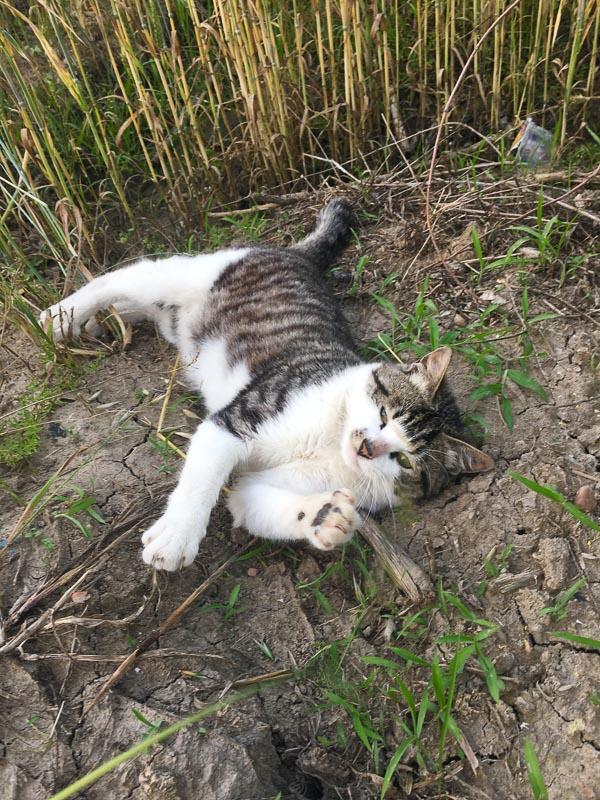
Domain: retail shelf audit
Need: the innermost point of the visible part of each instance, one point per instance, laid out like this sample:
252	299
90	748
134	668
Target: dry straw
101	98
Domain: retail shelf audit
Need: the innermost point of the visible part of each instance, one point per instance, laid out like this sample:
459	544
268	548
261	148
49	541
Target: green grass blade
393	763
582	641
534	773
526	382
408	656
143	747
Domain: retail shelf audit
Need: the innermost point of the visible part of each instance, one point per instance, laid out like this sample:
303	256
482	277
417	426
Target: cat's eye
384	417
402	459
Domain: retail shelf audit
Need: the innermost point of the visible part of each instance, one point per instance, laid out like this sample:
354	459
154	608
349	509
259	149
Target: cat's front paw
332	520
170	543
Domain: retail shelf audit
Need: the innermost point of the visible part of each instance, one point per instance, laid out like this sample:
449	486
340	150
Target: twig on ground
47	589
40	622
165	626
92	658
407	575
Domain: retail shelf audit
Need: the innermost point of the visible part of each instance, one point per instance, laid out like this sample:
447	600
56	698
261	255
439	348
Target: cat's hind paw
333	520
170	544
61	320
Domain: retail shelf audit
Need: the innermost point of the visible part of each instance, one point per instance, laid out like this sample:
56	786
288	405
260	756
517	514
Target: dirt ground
277	741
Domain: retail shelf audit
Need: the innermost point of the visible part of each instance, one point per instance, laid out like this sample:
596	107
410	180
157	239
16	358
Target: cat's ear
431	369
463	457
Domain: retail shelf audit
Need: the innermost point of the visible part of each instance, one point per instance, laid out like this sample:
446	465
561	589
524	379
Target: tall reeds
103	98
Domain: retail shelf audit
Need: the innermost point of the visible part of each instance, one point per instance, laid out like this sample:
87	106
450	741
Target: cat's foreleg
325	519
173	540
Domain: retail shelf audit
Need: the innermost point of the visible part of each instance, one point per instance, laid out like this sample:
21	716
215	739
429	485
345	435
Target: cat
312	434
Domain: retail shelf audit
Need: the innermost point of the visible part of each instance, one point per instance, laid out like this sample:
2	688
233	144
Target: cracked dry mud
269	743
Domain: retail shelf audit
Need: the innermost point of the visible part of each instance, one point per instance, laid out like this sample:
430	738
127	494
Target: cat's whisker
366	483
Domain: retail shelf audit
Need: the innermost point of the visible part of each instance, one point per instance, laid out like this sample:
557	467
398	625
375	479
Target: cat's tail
331	235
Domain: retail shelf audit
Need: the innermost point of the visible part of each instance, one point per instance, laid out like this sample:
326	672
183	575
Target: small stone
459	321
56	431
529	252
491	296
252	572
585	499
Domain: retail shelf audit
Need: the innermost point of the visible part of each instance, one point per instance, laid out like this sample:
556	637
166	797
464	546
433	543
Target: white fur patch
210	373
306	449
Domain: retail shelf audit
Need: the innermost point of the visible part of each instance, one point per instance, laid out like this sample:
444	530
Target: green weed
558	610
534	773
78	508
230	607
418	331
488	264
248	226
37	535
548	238
557	497
167	456
151	727
494	568
20	432
313	586
574	638
360	267
420	694
255	551
265	649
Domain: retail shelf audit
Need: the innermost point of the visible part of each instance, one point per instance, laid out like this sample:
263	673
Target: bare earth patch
287	739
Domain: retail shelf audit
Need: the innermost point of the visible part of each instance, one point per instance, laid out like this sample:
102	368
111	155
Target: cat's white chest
301	449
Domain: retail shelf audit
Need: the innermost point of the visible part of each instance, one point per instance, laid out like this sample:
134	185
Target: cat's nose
366	449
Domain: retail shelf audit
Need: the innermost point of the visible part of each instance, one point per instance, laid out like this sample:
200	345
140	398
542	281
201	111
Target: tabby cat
311	433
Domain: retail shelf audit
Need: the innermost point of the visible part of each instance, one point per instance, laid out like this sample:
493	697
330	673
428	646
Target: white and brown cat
311	435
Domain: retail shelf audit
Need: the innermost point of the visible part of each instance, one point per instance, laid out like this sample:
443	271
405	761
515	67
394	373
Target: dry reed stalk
451	98
333	72
576	36
255	89
122	528
592	74
403	571
92	658
143	100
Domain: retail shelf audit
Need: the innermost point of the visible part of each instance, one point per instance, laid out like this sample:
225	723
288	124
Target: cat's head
404	423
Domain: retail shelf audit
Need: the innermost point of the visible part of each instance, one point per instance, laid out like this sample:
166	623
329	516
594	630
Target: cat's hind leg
153	289
325	519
